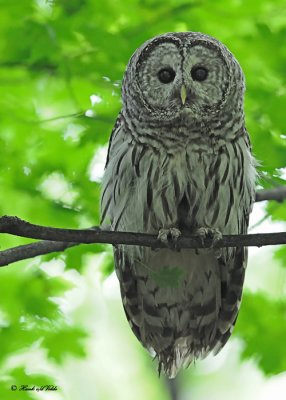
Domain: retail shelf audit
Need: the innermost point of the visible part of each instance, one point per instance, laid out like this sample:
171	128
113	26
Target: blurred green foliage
55	55
262	323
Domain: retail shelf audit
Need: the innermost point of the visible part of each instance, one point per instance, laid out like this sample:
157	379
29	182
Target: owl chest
183	190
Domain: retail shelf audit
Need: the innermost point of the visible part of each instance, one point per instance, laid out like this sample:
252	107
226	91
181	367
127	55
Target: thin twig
79	114
173	386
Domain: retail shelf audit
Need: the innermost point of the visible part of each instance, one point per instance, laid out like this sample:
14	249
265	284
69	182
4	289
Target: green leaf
262	326
65	341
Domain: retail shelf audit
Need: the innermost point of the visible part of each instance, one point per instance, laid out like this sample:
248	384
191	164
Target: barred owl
179	162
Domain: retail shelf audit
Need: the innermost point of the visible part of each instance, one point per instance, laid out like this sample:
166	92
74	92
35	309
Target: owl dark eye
166	75
199	73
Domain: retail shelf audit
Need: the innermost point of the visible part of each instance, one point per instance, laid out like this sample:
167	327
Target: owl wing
117	127
232	284
231	293
123	266
107	194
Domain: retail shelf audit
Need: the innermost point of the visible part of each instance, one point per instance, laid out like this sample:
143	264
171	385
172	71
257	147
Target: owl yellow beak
183	94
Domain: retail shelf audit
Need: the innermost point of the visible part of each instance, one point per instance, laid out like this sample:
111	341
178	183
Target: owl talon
218	252
211	233
169	237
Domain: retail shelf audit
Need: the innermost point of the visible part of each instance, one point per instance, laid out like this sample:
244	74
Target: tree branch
73	237
26	251
56	239
277	194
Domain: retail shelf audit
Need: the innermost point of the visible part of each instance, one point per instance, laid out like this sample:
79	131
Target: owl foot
211	233
169	237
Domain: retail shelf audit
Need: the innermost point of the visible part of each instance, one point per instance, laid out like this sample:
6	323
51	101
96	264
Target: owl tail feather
173	359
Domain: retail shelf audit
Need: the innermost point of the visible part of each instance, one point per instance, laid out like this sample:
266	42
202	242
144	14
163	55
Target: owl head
183	73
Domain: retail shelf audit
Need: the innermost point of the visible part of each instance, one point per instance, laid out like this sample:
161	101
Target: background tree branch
57	240
277	194
26	251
